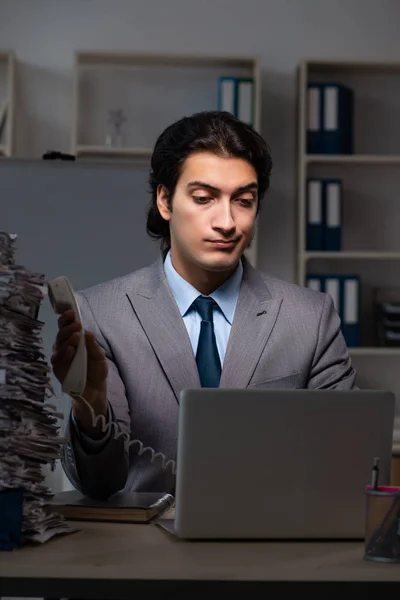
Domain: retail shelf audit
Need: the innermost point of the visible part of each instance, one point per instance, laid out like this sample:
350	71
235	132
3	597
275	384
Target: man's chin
220	261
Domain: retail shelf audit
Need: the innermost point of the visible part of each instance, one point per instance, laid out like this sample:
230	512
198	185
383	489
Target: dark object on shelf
387	316
53	155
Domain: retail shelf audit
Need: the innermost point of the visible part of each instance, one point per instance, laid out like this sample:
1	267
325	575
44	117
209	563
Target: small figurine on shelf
116	118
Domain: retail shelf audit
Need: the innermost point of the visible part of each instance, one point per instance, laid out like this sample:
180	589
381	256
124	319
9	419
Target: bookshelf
374	160
91	66
370	213
7	103
152	90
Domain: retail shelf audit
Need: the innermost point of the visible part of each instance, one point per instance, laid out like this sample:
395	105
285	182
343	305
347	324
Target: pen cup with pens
382	527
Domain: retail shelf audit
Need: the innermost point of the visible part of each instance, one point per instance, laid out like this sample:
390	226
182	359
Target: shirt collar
225	296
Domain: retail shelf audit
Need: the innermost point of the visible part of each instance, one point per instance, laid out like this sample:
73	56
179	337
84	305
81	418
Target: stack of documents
29	430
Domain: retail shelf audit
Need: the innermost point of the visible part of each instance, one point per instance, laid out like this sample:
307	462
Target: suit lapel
158	313
255	317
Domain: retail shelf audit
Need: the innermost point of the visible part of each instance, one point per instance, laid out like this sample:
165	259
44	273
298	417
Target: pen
375	474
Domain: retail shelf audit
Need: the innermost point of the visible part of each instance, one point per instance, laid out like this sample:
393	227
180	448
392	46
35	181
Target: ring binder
11	509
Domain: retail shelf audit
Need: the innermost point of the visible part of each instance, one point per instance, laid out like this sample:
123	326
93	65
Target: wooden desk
118	561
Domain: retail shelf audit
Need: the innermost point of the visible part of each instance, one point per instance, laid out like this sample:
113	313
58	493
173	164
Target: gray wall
87	223
45	33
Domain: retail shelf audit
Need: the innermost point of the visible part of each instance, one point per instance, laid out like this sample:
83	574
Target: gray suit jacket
282	336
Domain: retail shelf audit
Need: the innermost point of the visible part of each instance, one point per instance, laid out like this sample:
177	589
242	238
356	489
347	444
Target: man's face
213	212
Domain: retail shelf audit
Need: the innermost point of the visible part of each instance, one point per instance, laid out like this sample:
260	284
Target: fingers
66	349
66	318
94	351
67	332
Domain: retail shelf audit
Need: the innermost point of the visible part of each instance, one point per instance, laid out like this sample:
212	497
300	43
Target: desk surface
111	556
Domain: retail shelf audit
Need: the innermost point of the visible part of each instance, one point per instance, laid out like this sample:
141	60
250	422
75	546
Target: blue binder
315	282
314	139
345	293
333	287
11	511
337	120
350	291
332	211
227	94
315	216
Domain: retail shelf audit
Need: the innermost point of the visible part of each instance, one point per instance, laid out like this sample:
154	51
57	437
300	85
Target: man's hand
95	392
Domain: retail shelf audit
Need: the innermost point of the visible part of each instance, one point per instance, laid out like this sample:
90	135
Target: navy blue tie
207	357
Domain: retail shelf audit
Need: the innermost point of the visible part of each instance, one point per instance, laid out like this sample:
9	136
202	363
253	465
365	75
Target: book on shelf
236	95
345	293
330	116
128	507
3	116
324	200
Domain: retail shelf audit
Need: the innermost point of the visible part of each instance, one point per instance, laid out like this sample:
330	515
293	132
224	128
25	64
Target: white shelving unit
7	94
362	76
155	89
371	174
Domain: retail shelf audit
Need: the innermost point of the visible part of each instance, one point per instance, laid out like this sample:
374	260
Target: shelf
352	255
359	66
374	351
368	159
154	59
111	152
175	77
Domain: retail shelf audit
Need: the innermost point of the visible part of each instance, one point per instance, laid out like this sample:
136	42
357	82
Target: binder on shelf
332	286
351	310
11	509
345	293
315	282
315	216
333	208
314	118
330	114
338	108
236	95
227	94
245	100
3	117
324	215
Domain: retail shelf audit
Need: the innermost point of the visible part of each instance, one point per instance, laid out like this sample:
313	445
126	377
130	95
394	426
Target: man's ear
163	203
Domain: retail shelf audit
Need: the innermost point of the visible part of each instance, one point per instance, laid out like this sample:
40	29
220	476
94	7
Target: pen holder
382	527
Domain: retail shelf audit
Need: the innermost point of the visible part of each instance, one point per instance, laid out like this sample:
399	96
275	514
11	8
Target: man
199	316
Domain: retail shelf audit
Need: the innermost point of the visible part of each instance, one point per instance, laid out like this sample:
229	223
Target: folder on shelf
245	100
315	216
330	113
315	282
332	287
332	211
3	117
337	123
345	293
314	118
351	309
227	94
236	95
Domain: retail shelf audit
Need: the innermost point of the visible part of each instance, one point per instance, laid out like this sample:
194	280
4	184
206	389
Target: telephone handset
62	297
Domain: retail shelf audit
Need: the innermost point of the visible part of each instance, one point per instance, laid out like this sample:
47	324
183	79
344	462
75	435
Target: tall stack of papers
29	430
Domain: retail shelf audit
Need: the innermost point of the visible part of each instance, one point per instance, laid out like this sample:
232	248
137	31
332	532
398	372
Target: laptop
278	464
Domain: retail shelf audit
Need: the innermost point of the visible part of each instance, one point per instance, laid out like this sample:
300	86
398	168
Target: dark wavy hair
218	132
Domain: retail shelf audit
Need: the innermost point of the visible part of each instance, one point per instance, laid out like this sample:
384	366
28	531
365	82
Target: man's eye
201	199
246	201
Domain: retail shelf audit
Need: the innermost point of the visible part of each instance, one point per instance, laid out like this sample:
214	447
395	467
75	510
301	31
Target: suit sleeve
100	470
331	366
